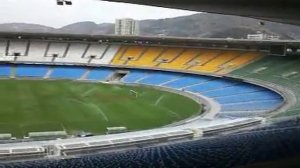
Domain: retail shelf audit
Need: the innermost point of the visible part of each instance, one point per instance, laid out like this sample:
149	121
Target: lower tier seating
284	71
99	74
252	147
31	70
62	72
5	70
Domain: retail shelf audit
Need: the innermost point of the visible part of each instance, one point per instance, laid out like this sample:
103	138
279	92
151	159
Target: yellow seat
181	61
117	58
147	59
223	58
240	61
170	54
133	53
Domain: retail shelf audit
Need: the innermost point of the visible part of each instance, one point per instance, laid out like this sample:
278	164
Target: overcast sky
46	12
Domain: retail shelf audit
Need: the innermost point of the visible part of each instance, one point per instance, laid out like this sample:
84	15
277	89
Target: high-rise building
126	26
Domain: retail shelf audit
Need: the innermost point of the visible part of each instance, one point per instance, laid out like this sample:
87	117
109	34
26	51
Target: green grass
36	105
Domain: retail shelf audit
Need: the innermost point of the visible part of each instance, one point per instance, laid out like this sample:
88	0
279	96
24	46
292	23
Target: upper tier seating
148	58
20	47
129	53
200	60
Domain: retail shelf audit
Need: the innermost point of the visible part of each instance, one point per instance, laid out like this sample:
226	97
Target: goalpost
135	93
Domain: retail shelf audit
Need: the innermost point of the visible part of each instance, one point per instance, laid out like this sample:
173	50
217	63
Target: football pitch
56	105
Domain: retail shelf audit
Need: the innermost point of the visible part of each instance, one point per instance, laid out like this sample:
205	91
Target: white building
126	26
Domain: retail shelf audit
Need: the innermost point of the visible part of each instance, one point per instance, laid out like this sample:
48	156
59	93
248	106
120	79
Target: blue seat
233	90
99	74
133	76
252	106
187	81
159	78
31	71
5	70
211	85
67	72
254	96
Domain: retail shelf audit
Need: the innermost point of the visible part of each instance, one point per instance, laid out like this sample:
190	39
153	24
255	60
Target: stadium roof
142	40
130	39
285	11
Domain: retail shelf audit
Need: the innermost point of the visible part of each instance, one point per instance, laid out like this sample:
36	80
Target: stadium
77	100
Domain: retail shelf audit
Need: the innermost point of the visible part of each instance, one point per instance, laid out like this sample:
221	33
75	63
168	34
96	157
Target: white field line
172	112
158	100
63	127
99	110
88	91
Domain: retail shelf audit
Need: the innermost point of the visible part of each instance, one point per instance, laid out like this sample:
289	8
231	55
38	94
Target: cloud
46	12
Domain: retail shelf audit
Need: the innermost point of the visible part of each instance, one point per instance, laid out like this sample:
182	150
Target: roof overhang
145	40
285	11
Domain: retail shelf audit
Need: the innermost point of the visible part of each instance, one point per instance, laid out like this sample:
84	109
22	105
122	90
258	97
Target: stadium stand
187	80
19	48
199	60
96	50
3	44
283	71
99	74
253	146
107	54
74	54
5	70
169	55
133	76
148	58
62	72
58	49
132	53
36	53
211	85
158	78
181	61
239	98
31	70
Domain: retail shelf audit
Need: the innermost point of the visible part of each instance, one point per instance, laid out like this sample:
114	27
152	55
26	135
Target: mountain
215	25
197	25
17	27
